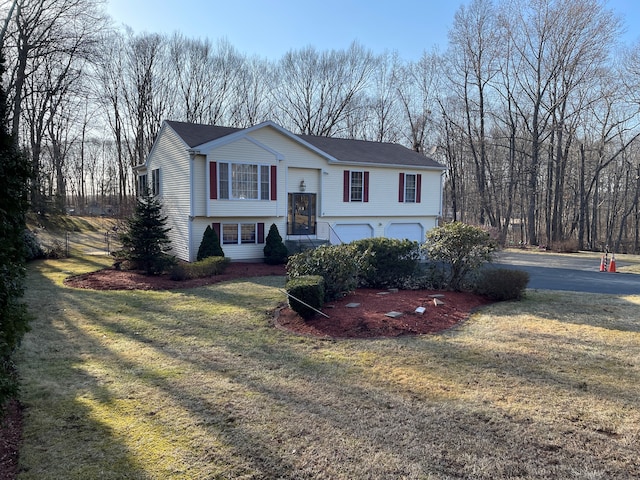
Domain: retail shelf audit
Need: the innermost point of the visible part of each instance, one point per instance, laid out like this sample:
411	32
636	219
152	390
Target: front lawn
199	384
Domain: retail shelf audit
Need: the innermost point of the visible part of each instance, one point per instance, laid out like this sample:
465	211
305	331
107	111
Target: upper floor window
244	181
409	187
356	186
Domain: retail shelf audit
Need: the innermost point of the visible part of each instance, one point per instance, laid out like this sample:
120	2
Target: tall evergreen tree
14	185
145	243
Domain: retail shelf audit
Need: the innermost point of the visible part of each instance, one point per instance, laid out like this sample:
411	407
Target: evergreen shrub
460	250
32	245
310	290
275	251
339	265
15	176
210	245
502	283
389	262
206	267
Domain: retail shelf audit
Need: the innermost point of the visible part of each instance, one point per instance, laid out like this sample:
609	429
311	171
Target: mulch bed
10	437
364	314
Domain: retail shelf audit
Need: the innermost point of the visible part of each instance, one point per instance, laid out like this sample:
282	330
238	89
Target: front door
302	214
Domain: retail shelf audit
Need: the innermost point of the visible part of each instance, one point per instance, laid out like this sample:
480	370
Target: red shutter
365	187
274	183
346	195
260	232
213	181
401	188
418	187
216	228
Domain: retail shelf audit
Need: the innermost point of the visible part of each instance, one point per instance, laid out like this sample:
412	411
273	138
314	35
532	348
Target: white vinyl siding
170	160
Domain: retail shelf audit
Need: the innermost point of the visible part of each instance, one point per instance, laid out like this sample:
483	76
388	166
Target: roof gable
339	150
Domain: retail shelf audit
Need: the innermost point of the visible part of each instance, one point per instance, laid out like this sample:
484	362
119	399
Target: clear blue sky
269	28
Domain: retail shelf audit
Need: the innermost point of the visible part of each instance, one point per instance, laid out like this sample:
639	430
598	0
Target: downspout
192	159
440	217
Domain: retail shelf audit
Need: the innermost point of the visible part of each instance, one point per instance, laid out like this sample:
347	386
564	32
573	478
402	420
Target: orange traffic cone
612	265
603	268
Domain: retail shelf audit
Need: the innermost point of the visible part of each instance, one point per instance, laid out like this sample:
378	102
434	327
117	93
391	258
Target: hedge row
203	268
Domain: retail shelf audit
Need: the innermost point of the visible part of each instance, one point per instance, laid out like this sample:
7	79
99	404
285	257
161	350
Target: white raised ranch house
240	181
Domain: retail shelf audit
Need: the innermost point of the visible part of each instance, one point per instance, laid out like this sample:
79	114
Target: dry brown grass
198	384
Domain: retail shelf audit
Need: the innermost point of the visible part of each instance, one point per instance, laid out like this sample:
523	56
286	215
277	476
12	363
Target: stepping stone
352	305
437	302
393	290
420	310
437	295
383	293
393	314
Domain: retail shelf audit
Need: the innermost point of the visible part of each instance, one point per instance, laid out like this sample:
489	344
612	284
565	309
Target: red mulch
111	279
10	436
368	320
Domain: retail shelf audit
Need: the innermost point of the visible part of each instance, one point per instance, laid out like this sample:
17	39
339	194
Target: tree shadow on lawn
52	384
310	396
284	405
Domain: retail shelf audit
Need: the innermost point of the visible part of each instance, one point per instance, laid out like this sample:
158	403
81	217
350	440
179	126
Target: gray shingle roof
343	150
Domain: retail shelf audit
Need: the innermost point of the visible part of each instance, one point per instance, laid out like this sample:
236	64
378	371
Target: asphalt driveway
571	273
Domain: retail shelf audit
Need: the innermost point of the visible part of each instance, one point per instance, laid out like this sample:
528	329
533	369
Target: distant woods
534	107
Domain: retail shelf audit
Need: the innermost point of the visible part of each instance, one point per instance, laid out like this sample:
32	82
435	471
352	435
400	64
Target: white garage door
411	231
353	231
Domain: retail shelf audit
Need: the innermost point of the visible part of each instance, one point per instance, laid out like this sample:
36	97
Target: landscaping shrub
275	251
310	290
390	262
339	265
204	268
502	283
56	250
33	248
210	245
460	249
427	276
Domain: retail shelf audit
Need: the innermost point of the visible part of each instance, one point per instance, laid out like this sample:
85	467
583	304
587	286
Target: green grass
199	384
77	235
